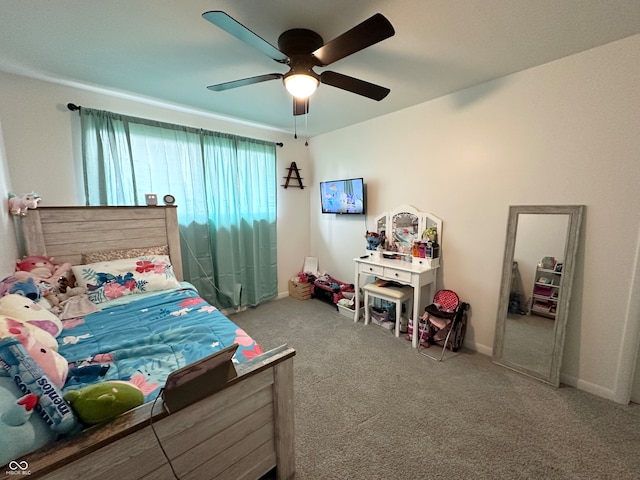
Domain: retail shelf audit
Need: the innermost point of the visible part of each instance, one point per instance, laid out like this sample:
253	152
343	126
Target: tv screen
343	196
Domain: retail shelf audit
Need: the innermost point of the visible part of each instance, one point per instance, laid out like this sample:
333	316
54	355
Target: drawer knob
396	274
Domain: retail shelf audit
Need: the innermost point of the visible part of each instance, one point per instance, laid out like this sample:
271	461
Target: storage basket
299	290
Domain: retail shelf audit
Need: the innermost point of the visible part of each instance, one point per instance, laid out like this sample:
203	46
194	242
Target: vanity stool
397	295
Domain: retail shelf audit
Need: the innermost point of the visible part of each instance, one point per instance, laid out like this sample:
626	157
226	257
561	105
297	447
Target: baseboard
568	380
476	347
589	387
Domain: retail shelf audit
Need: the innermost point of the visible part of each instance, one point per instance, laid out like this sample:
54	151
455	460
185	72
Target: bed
243	431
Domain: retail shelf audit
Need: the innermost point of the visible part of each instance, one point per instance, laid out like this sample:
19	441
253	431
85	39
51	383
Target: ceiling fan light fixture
300	85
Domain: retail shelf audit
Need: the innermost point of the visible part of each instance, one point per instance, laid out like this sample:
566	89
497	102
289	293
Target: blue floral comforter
145	340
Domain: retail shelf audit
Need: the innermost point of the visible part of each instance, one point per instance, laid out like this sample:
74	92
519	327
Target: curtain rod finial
73	107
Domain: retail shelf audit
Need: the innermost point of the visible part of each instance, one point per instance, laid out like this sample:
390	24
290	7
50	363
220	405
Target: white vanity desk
418	274
402	226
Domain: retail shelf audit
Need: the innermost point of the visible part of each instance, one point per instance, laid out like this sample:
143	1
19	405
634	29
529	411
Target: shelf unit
294	174
546	292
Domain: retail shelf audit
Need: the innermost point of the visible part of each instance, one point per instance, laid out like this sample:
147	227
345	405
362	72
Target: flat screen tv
344	197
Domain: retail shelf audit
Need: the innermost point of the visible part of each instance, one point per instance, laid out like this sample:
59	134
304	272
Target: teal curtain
225	189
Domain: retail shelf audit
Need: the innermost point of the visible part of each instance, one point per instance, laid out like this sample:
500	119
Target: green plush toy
103	401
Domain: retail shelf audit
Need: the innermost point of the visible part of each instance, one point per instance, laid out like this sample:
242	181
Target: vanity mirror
405	225
535	293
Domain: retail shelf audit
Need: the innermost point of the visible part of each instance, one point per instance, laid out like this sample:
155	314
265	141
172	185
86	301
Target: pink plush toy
20	205
46	339
42	267
52	363
50	278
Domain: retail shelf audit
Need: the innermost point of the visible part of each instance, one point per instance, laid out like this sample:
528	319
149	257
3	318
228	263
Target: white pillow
108	280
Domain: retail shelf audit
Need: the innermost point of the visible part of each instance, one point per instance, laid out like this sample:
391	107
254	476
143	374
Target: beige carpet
368	406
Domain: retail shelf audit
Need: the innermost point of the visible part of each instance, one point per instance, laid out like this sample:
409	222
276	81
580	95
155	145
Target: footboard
243	431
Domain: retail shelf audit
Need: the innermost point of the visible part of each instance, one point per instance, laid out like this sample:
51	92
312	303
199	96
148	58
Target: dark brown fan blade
233	27
300	106
354	85
371	31
244	81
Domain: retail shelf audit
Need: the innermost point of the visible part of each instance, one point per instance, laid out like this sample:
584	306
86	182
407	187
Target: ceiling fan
302	49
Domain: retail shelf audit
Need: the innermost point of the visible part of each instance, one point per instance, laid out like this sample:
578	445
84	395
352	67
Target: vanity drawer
399	275
376	270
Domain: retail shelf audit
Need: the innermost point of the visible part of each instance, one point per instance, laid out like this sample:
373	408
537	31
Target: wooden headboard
65	233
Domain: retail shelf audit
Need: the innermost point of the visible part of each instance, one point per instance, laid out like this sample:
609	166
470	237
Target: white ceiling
164	49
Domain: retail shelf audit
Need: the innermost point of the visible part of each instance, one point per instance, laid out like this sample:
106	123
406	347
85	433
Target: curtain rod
73	107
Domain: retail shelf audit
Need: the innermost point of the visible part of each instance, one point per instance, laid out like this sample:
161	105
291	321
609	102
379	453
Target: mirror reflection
381	224
405	231
537	278
535	290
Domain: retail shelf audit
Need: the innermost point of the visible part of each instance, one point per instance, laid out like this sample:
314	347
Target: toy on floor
100	402
329	289
21	432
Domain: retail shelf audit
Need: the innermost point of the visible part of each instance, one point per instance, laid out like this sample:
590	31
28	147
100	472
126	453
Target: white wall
8	247
562	133
43	153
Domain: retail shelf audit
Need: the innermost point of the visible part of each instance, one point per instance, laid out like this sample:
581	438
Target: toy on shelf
20	205
374	239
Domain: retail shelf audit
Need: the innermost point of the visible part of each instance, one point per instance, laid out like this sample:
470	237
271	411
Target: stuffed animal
27	289
373	240
42	267
36	328
100	402
20	205
21	432
26	373
50	361
44	338
30	313
71	292
50	277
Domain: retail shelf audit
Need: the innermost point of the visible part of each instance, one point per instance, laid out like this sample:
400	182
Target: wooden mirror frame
575	212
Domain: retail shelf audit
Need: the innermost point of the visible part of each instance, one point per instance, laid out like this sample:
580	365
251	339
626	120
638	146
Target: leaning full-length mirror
535	293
